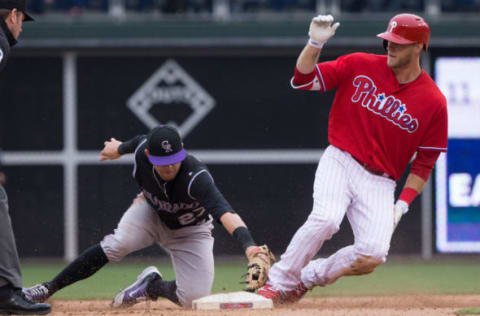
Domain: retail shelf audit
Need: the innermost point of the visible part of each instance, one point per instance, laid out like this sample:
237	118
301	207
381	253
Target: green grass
113	277
459	277
411	278
469	311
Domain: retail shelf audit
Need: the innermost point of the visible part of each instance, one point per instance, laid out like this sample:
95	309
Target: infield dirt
411	305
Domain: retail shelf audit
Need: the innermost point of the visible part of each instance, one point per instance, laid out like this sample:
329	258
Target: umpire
12	300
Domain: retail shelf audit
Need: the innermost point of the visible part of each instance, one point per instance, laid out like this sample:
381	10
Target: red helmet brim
391	37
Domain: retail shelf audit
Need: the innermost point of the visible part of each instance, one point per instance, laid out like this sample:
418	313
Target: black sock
160	288
86	264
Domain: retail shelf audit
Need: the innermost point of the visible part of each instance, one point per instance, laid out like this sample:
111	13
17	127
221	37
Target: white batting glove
400	208
321	29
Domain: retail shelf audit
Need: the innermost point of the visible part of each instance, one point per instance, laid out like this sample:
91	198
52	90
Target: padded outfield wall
230	97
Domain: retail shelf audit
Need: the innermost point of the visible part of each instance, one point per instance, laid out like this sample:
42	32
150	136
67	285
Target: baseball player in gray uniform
12	300
175	208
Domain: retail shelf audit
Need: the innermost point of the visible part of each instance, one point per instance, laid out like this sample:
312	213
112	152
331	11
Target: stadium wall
233	104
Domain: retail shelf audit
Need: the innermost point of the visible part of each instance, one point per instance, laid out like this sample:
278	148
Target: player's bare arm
415	182
110	150
321	29
308	59
231	222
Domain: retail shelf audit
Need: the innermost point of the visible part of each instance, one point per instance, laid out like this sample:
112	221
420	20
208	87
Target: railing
231	9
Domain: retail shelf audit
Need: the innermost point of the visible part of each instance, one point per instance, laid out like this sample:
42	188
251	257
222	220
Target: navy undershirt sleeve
206	192
129	146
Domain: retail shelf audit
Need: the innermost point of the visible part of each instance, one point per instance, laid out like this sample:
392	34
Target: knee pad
364	265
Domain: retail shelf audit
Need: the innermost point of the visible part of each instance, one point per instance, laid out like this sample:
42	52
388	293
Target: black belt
373	171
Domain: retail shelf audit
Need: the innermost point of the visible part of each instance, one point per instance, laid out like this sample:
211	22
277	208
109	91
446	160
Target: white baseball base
234	300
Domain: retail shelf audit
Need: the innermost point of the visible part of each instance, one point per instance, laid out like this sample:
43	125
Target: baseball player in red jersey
386	110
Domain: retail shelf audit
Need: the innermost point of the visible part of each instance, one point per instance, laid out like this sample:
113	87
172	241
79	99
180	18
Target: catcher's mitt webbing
259	263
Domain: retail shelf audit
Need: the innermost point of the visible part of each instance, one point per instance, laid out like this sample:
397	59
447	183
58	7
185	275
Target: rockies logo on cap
165	146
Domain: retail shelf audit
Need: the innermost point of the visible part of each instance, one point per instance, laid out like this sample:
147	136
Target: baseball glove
259	263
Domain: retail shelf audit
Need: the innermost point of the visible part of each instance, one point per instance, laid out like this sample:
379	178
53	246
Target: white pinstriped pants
341	186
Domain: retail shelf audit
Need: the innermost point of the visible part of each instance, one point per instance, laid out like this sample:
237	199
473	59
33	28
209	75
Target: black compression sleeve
86	264
243	236
129	146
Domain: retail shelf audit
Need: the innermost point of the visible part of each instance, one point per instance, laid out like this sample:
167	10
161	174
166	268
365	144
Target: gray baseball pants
191	248
9	263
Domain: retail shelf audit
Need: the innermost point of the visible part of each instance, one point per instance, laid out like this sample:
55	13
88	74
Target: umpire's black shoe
16	303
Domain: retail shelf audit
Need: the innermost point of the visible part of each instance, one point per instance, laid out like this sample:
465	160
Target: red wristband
408	195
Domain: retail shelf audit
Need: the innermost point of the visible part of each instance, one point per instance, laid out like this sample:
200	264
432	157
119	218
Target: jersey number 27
191	217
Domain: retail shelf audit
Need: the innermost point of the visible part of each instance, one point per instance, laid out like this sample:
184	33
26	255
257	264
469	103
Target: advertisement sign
458	79
458	171
458	197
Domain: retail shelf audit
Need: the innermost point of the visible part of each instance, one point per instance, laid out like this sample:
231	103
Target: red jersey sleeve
436	135
423	163
301	81
326	76
330	73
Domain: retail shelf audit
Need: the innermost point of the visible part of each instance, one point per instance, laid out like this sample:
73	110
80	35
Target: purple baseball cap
165	146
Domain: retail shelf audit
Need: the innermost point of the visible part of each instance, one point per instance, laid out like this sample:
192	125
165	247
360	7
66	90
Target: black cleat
16	303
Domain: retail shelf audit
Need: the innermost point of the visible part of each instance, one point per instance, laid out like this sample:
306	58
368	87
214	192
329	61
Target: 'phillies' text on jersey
379	121
388	107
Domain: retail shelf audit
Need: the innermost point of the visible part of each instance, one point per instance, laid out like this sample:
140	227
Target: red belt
373	171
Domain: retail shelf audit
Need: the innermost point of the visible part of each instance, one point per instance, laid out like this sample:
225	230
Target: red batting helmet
407	28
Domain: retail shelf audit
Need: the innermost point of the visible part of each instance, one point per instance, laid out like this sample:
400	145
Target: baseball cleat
283	297
137	292
269	292
38	293
294	295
